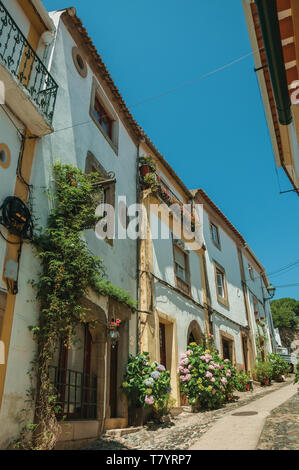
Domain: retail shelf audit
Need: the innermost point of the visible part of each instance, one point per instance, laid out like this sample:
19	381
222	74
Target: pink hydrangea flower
181	368
185	371
228	373
226	360
203	358
184	362
209	375
213	379
149	400
223	380
189	352
190	367
211	367
188	377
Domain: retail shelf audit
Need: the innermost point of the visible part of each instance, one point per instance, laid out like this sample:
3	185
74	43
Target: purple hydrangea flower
155	375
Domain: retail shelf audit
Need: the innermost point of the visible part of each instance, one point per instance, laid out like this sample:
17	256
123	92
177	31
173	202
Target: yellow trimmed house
28	95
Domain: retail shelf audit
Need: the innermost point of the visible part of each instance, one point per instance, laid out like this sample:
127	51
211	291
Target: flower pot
247	387
136	416
145	169
265	382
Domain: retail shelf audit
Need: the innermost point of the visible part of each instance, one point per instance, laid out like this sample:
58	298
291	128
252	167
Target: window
107	196
251	272
215	235
79	62
220	283
71	375
181	263
104	116
221	287
4	156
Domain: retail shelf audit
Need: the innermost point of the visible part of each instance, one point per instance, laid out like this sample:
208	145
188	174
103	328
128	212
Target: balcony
30	90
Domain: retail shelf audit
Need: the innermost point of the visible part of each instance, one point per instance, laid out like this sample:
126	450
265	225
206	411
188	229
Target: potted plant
147	386
279	367
150	181
164	194
147	165
262	373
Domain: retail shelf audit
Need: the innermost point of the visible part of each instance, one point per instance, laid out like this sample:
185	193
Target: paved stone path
184	430
242	432
281	431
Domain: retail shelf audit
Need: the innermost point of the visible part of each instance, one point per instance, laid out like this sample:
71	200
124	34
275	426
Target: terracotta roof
204	195
136	128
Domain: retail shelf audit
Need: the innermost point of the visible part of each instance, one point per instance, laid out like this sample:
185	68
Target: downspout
138	252
268	17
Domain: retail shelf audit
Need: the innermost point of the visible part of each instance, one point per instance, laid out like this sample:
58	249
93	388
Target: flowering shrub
262	372
206	379
296	381
278	365
242	379
147	384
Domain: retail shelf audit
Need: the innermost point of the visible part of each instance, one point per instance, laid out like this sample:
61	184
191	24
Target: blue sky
213	132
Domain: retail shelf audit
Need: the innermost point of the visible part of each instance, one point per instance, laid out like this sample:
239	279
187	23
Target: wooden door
113	381
162	344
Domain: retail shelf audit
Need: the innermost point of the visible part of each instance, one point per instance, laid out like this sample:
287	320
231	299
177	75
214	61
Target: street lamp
271	291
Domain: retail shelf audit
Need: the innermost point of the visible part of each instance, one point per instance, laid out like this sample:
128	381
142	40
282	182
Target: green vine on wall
69	270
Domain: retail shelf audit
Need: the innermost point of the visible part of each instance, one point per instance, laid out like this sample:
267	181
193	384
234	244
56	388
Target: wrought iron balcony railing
19	58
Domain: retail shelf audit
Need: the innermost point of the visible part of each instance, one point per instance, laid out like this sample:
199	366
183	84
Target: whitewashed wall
67	146
171	302
228	258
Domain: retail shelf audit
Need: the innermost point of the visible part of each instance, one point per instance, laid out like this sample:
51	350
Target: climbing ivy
69	270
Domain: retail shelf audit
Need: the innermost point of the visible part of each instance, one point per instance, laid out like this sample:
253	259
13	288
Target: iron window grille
77	393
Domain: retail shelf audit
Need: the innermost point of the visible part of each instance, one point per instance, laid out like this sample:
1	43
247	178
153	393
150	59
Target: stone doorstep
177	410
122	432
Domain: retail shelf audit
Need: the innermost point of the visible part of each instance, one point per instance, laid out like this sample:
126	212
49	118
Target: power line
288	285
195	80
179	87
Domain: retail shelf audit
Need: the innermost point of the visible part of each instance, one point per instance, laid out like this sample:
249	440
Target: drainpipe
138	251
268	16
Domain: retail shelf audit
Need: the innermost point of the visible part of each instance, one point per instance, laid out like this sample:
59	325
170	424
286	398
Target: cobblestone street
182	431
281	431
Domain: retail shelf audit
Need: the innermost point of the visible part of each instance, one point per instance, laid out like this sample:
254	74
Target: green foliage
206	379
150	181
278	365
262	372
69	270
148	160
285	312
147	384
242	379
297	374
